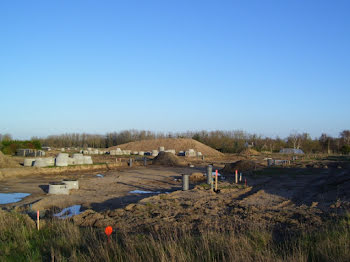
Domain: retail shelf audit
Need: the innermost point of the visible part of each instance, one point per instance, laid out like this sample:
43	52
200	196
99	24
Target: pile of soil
179	144
6	162
249	152
241	166
197	177
166	159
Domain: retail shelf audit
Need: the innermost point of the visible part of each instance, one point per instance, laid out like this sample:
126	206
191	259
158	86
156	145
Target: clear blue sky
265	67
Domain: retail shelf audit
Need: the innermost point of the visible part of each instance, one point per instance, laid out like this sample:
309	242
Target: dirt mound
179	144
197	177
166	159
6	162
241	166
249	152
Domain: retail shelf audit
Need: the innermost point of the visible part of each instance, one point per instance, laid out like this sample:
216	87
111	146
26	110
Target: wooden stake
216	180
38	219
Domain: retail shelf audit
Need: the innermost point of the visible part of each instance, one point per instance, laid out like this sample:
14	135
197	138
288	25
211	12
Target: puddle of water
7	198
144	192
100	175
68	212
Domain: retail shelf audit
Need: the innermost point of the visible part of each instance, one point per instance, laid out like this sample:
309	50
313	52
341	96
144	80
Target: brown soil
179	144
293	198
6	162
267	202
197	177
240	166
166	159
249	152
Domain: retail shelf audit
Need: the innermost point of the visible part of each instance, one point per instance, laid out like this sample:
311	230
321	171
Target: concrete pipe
185	182
126	152
50	161
58	189
209	174
70	161
78	159
161	148
39	162
71	184
88	160
62	160
28	162
141	153
154	152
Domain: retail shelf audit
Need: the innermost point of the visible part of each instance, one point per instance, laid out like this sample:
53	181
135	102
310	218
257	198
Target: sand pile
249	152
179	144
241	166
6	161
166	159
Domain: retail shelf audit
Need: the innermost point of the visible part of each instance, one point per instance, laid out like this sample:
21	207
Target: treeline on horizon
224	141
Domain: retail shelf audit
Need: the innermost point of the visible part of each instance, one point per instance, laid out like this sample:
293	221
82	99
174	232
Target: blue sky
265	67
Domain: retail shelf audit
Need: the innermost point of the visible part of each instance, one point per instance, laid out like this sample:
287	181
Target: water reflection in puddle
7	198
68	212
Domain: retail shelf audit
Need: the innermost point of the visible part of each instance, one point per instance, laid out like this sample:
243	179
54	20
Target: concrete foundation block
28	162
58	189
71	184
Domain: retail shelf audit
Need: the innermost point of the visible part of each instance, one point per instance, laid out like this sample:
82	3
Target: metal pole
185	182
145	161
209	174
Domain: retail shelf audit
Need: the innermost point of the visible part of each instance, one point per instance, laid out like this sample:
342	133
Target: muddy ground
295	197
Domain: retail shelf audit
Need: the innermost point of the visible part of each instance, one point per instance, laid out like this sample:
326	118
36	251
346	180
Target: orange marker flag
108	231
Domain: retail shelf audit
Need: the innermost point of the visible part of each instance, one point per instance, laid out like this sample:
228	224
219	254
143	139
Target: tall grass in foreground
62	241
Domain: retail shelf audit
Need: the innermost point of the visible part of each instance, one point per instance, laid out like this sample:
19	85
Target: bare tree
294	139
345	136
325	141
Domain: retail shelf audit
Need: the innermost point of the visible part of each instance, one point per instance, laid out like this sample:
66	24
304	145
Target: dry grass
63	241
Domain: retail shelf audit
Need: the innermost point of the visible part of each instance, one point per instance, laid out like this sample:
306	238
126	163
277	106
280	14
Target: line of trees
224	141
9	146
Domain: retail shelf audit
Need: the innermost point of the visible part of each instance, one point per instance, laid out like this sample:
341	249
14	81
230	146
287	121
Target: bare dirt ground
99	193
295	197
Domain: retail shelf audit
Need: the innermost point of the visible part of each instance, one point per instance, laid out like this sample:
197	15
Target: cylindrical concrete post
145	161
269	162
130	162
185	182
240	177
209	174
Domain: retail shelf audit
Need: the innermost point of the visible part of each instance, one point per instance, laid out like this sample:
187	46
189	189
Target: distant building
293	151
